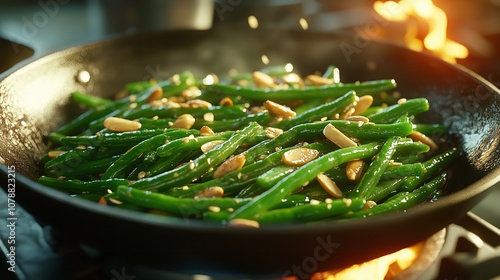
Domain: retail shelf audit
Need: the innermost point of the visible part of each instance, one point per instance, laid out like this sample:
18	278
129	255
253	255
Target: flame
385	267
436	40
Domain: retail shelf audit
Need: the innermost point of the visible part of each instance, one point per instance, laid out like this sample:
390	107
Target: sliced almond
157	94
299	156
369	204
279	110
329	185
226	101
121	125
347	113
198	103
54	154
361	119
262	80
243	223
230	165
337	137
185	121
418	136
316	80
206	131
353	169
210	145
191	92
211	192
272	132
364	102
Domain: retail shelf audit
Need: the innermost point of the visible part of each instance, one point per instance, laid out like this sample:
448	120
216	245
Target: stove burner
469	249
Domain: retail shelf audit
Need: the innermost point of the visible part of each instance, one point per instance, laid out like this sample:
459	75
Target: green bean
304	174
76	186
394	112
312	211
250	191
90	167
312	131
219	112
262	118
290	201
186	173
84	119
431	166
126	163
273	175
313	92
68	160
411	148
378	165
404	200
404	170
384	189
431	129
166	163
126	139
184	144
137	87
150	158
181	206
234	181
325	110
88	100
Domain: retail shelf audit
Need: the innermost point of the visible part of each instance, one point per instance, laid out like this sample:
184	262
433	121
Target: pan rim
490	179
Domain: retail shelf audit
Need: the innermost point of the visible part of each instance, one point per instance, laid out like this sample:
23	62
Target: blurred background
460	31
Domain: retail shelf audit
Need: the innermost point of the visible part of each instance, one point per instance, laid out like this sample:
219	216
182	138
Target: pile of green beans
236	151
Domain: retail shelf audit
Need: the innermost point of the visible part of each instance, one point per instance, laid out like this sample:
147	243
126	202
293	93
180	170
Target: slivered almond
230	165
157	94
185	121
191	92
211	192
362	104
299	156
347	113
198	103
369	204
226	101
358	119
206	131
337	137
353	169
272	132
329	185
318	80
279	110
121	125
54	154
243	223
418	136
210	145
262	80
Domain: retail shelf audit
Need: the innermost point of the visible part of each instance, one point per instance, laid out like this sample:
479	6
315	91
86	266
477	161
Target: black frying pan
35	100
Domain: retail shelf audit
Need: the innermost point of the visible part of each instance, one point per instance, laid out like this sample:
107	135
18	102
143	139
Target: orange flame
436	40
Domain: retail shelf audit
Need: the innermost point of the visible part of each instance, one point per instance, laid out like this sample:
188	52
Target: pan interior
35	100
